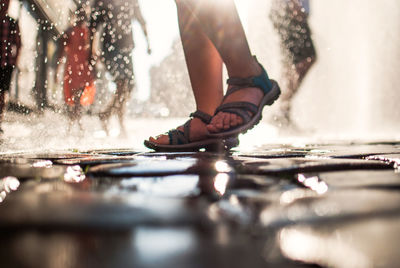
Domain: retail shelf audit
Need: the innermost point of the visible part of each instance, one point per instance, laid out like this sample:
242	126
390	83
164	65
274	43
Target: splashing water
350	93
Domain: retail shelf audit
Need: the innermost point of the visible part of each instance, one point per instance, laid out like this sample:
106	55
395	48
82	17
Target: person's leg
2	105
221	23
75	110
123	93
205	71
298	53
5	81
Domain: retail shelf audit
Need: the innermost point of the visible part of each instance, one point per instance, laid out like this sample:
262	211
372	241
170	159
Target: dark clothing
5	78
115	19
10	41
289	18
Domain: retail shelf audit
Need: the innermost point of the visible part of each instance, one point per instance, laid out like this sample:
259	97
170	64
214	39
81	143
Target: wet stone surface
334	205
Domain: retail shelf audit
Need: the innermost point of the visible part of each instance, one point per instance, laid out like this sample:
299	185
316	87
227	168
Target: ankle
253	68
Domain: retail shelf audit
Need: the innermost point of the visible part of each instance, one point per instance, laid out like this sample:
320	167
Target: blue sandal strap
176	137
261	81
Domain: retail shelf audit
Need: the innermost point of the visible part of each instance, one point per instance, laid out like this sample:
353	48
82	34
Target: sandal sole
209	145
268	99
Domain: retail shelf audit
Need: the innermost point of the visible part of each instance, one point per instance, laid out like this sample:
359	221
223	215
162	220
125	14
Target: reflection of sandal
271	93
180	141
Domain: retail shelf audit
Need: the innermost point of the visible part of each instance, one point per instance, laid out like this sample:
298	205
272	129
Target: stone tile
371	242
46	155
116	152
392	159
300	165
362	179
123	208
154	167
61	205
93	160
339	150
34	169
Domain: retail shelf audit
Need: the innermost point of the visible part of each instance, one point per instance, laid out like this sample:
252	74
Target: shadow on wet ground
331	205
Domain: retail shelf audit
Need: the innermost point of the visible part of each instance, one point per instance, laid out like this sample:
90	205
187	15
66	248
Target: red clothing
77	74
10	41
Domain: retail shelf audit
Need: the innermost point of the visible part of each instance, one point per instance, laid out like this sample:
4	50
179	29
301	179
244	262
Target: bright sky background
162	26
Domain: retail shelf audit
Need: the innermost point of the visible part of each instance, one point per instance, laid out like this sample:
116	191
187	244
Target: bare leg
123	94
205	71
290	21
293	76
75	111
220	22
117	104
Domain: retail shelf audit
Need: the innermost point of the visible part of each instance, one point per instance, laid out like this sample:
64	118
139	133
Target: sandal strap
178	137
236	81
241	109
261	81
206	118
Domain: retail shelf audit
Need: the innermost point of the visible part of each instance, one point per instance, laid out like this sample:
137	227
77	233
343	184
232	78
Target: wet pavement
328	205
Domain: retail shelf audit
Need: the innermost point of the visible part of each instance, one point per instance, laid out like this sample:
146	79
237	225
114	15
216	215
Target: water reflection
155	246
221	182
8	185
170	186
43	164
222	166
291	196
74	174
309	247
314	183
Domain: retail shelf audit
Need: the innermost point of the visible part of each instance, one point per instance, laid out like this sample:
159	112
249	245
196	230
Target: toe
216	124
218	121
160	139
227	121
212	128
239	120
234	120
224	121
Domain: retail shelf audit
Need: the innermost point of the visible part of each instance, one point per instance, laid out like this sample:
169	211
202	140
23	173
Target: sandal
180	141
271	93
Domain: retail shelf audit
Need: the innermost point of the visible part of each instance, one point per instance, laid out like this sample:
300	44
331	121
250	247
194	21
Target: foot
198	132
244	101
223	121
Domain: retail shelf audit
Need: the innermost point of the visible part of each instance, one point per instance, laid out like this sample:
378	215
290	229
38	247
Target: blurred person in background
212	35
10	45
112	20
290	20
78	79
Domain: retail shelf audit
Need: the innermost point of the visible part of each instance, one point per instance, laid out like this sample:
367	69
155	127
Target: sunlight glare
222	166
74	174
221	182
314	183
